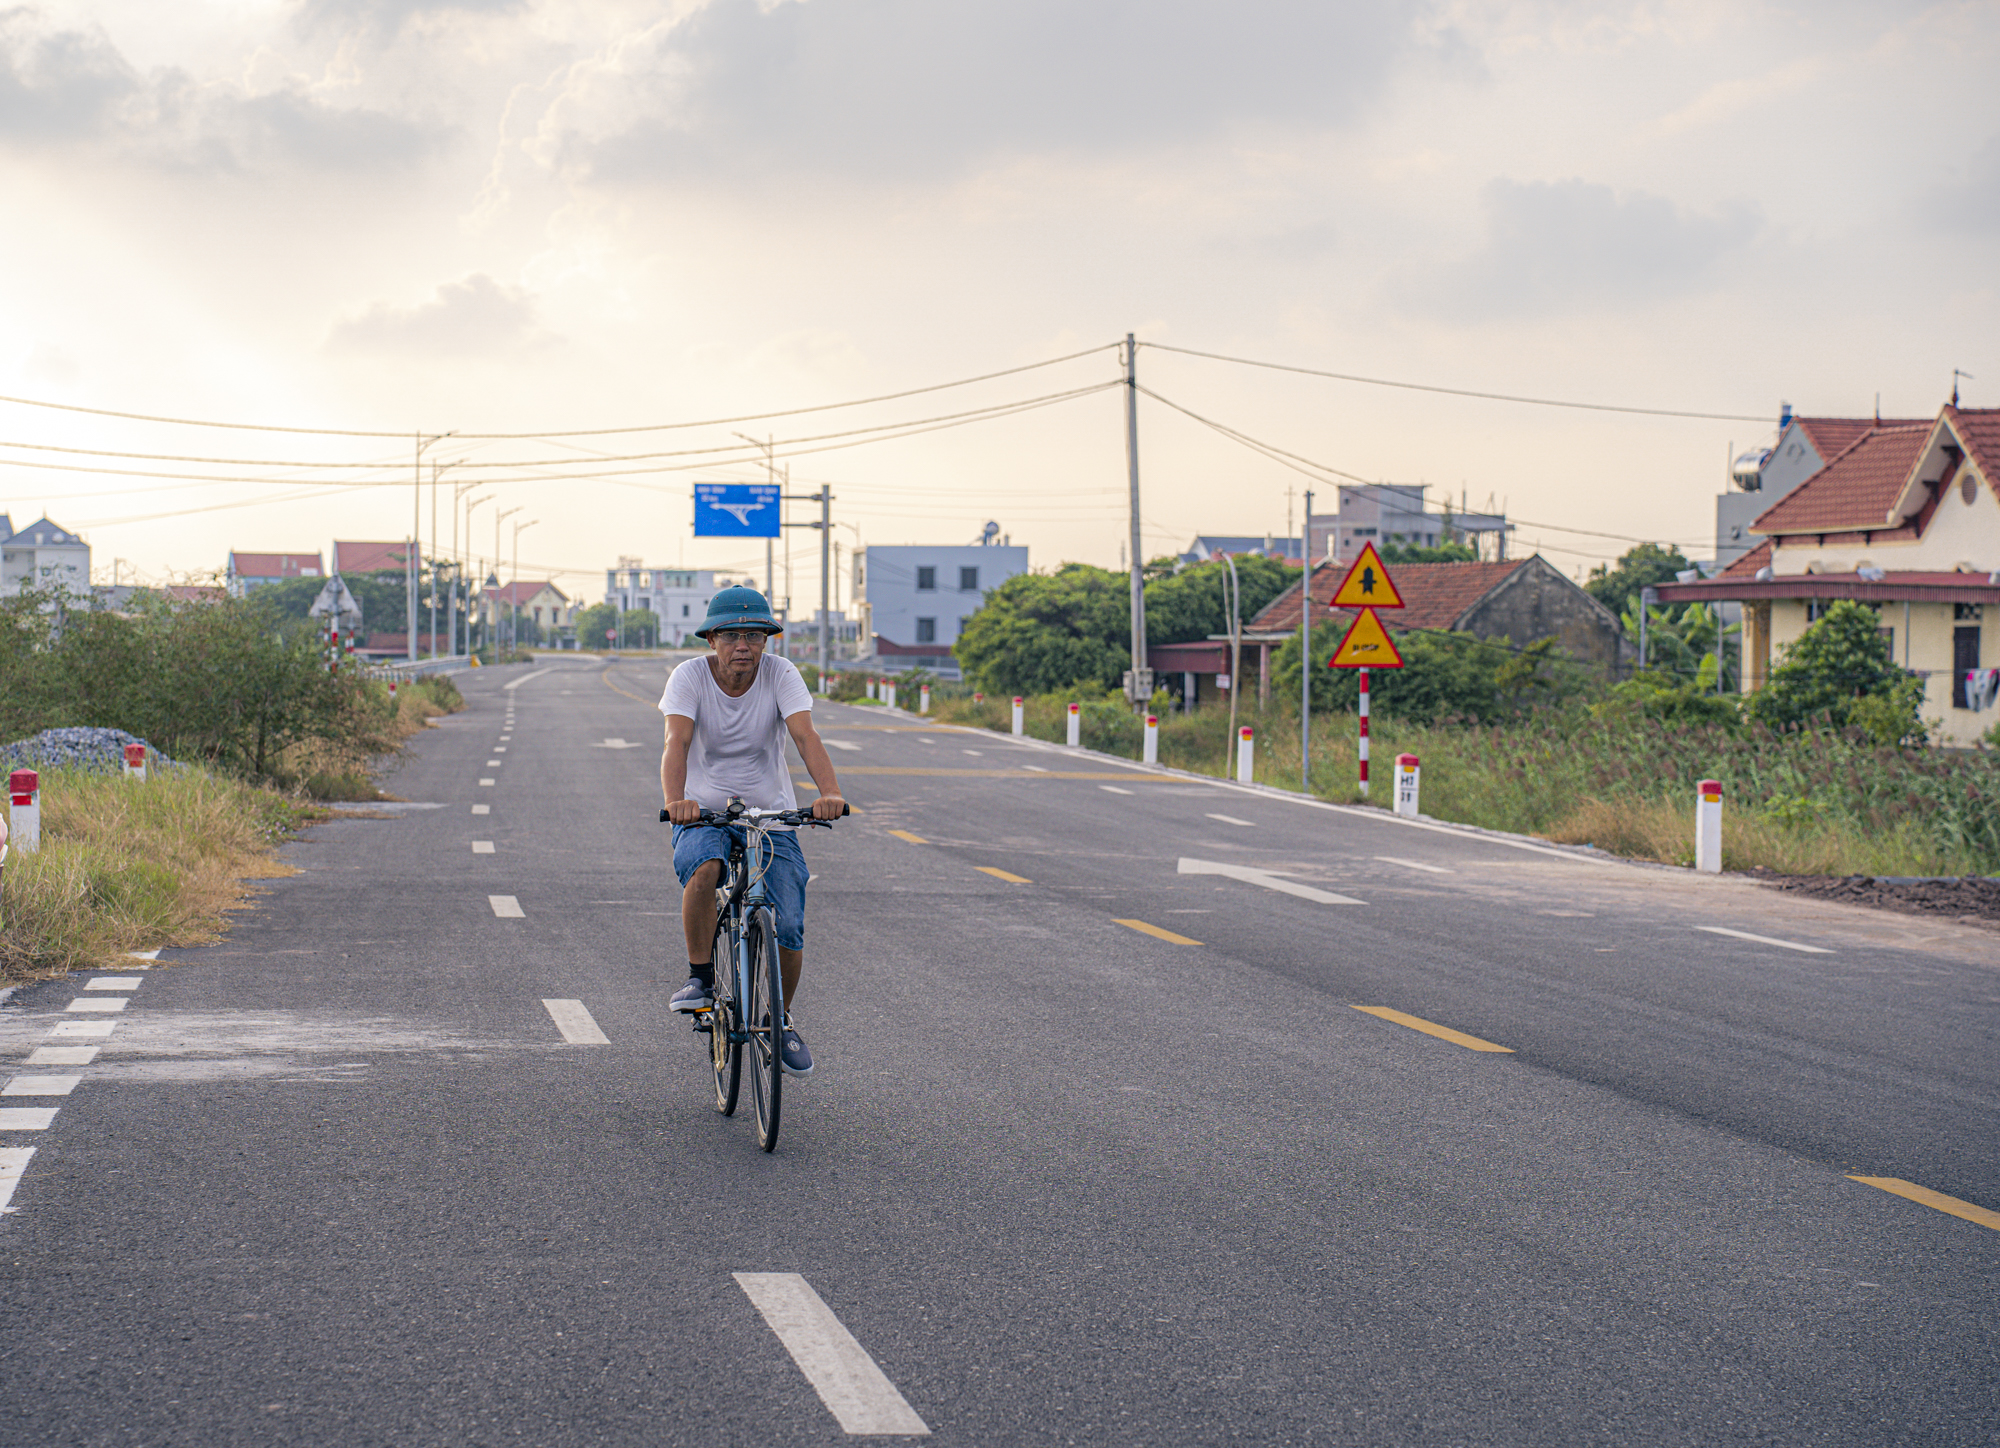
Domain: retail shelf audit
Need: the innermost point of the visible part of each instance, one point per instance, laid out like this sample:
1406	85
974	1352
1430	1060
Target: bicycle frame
743	891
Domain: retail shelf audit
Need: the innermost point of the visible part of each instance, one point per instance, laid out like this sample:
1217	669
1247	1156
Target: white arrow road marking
13	1161
1745	935
27	1118
854	1390
40	1086
1413	865
618	744
1268	879
841	744
506	907
575	1023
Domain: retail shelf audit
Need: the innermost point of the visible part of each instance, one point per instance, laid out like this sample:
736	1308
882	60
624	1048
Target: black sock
705	972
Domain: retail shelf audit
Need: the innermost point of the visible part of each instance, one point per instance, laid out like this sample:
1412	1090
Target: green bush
1839	662
1444	676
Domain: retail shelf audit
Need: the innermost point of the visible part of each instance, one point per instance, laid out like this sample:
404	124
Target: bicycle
749	1005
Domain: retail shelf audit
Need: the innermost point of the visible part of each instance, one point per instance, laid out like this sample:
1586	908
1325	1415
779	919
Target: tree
641	628
592	624
1840	668
1646	566
1417	553
384	597
1443	675
1041	632
1192	604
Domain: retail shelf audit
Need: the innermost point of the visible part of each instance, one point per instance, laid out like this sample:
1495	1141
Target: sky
475	217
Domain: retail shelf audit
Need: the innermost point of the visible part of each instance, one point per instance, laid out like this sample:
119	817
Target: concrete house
1902	518
676	597
43	554
252	570
914	599
548	606
1523	600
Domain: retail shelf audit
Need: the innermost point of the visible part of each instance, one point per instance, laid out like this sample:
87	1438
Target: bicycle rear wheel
725	1053
765	1020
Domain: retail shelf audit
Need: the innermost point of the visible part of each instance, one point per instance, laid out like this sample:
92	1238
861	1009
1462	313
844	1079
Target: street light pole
436	468
498	517
411	562
514	620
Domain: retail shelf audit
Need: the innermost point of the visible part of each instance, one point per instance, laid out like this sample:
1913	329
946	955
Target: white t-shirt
738	749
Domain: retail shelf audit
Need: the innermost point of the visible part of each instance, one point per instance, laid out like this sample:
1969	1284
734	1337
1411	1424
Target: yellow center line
1003	875
1153	930
1432	1028
1936	1200
1127	776
606	677
906	835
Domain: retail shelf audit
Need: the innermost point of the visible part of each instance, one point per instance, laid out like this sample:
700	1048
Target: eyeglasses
738	636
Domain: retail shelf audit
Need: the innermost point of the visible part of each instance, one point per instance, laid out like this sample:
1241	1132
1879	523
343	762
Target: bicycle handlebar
738	815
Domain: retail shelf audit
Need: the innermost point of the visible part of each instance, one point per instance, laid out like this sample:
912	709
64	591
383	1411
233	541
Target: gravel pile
1968	899
73	749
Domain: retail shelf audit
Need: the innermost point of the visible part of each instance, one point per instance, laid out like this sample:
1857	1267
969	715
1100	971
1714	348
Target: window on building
684	612
968	580
926	580
1967	612
1816	609
926	629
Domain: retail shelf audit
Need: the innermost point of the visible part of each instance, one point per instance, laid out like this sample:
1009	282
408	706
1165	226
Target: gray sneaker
692	997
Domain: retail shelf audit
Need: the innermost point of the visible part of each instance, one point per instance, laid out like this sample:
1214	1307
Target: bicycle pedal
704	1022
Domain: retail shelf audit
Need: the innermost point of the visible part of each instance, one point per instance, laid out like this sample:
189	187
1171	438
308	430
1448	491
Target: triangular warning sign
1367	646
1367	584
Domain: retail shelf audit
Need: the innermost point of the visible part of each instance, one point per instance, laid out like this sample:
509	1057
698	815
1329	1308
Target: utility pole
1141	686
826	579
1305	656
410	563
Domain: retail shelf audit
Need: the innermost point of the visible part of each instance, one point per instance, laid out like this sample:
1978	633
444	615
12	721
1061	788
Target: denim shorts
784	872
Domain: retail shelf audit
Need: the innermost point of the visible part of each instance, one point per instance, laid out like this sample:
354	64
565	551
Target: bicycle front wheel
724	1050
765	1021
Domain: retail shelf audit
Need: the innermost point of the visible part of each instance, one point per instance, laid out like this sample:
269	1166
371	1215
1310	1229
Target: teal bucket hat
738	608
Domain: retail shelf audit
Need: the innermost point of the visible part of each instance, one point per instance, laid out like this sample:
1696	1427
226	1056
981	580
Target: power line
1462	391
575	432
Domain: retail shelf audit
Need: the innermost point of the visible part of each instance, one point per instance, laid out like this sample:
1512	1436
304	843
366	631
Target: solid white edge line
513	684
1765	940
856	1391
13	1162
506	907
575	1023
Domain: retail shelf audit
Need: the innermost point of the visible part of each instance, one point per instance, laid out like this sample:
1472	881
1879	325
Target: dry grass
338	769
128	866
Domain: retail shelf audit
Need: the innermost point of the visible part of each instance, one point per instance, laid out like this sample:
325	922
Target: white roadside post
1076	726
3	868
889	693
135	762
871	687
1246	755
1708	828
24	795
1152	754
1020	705
923	698
1407	779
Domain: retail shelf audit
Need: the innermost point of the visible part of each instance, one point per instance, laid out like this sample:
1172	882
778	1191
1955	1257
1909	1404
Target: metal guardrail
424	668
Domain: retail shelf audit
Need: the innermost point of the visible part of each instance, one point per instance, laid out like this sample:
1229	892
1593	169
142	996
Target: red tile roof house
251	570
542	602
1522	599
1903	518
351	557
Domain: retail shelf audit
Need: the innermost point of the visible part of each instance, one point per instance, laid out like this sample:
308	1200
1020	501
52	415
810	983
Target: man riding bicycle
728	714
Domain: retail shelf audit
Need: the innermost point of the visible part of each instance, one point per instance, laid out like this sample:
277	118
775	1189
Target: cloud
477	316
1971	200
69	87
57	85
900	89
387	17
1561	246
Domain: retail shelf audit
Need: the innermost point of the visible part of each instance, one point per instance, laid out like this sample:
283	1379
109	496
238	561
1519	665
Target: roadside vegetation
253	728
1825	771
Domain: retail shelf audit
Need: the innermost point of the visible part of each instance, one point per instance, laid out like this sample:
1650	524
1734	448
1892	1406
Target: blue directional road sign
736	510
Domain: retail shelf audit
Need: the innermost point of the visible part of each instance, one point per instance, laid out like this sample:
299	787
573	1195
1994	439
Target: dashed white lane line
512	684
27	1118
482	847
1268	879
40	1086
976	752
1232	820
1413	865
499	749
1113	789
1764	939
485	784
63	1055
842	744
13	1161
575	1023
114	982
494	763
1035	767
854	1389
105	1003
482	809
85	1028
506	907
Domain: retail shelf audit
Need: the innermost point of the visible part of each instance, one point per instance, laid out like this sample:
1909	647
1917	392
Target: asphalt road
342	1180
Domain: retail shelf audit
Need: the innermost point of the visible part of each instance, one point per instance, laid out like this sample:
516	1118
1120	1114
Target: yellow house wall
1930	651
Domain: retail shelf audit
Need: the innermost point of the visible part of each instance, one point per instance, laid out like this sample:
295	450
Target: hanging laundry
1982	687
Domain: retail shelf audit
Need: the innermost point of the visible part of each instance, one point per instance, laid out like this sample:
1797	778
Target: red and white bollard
923	698
888	693
1246	755
24	809
135	762
3	868
1152	750
871	687
1364	733
1076	726
392	693
1708	827
1020	720
978	698
1407	781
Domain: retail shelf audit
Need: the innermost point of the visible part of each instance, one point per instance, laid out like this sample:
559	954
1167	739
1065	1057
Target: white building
678	597
914	599
1385	513
44	554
